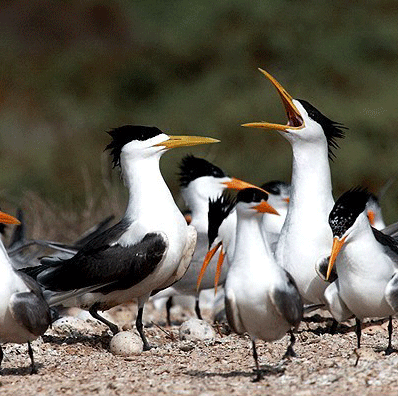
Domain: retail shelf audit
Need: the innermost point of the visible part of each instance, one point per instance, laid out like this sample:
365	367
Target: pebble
126	343
197	330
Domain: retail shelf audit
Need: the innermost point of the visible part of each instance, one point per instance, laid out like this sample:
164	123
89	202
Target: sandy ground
79	362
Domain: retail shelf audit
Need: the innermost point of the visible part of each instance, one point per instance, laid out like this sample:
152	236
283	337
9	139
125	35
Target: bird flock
272	253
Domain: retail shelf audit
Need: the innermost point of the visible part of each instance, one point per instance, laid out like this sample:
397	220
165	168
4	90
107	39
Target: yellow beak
337	245
295	120
180	141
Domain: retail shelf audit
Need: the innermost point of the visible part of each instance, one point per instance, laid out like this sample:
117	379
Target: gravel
79	361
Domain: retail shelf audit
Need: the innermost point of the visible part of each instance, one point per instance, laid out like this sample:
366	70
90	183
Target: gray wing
389	243
391	229
29	309
232	312
184	262
391	292
30	312
288	302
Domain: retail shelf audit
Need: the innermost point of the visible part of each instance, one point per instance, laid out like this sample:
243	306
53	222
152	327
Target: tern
366	265
24	313
261	298
148	250
306	235
200	180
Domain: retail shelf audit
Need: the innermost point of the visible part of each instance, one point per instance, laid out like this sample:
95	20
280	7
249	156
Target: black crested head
333	130
347	209
219	209
251	195
126	134
275	187
192	168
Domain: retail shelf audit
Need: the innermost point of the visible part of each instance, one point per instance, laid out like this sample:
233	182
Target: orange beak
210	254
236	184
265	207
8	219
337	245
295	120
218	270
371	217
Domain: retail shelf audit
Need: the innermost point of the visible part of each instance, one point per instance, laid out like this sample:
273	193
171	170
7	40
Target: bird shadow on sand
93	341
266	370
20	371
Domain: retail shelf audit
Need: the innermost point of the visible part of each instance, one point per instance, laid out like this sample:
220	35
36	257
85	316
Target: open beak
236	184
371	217
265	207
8	219
294	119
184	141
337	245
209	255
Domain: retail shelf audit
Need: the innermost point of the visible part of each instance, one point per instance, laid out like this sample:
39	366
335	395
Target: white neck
148	193
311	188
250	242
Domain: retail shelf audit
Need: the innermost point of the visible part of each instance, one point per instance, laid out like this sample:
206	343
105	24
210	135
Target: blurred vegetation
71	70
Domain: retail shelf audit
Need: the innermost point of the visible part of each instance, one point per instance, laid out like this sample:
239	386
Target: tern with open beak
261	298
149	249
24	313
366	262
306	235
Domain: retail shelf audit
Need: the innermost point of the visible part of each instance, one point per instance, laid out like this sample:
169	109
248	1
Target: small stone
197	330
126	343
186	346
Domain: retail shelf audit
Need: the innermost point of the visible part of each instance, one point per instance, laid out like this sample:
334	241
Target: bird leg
389	349
1	355
289	351
93	312
358	332
169	304
333	327
197	308
258	370
32	365
140	329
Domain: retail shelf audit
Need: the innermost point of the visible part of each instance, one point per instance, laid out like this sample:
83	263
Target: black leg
358	331
333	327
1	355
140	328
197	308
30	351
290	351
96	315
255	356
389	349
169	304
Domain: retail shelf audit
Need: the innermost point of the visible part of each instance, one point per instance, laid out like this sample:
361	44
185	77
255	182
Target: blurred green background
71	70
